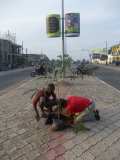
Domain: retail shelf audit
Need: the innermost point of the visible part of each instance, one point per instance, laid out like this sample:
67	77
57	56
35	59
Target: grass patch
80	127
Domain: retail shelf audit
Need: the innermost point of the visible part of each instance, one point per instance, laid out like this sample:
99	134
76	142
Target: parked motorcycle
38	71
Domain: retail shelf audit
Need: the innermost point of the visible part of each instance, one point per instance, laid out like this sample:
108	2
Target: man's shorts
88	113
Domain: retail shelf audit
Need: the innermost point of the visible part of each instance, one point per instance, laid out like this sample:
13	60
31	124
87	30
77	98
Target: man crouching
45	98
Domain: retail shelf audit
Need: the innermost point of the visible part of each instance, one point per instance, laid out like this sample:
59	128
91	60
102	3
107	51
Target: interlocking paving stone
51	155
105	143
87	156
22	138
69	156
5	157
60	149
78	150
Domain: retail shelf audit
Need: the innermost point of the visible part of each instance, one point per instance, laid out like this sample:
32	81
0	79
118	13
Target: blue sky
27	18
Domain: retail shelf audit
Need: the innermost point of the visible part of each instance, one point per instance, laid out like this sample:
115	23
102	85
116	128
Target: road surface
110	75
14	77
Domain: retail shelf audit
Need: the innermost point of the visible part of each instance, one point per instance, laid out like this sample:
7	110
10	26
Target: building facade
99	56
9	53
114	55
37	59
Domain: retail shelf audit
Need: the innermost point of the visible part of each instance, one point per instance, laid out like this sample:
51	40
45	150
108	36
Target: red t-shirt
76	104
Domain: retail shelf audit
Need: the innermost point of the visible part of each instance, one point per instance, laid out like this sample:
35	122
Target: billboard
72	24
98	50
53	25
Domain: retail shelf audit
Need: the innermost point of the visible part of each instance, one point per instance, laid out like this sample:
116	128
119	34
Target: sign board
53	25
72	25
98	50
116	48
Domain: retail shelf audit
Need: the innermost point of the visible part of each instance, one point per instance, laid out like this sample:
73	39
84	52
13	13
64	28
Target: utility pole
26	59
26	51
106	51
10	50
22	47
63	42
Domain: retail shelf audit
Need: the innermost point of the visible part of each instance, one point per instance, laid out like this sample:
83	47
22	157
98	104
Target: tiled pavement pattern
22	138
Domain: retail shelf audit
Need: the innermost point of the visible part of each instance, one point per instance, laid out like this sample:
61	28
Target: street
10	78
109	75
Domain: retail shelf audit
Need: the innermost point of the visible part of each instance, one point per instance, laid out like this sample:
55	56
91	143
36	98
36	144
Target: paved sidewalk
22	138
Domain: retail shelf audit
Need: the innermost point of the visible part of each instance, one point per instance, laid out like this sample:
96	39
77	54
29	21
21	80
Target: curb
4	92
7	91
108	85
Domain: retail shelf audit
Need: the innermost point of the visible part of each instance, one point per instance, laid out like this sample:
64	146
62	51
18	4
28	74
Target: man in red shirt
45	97
80	106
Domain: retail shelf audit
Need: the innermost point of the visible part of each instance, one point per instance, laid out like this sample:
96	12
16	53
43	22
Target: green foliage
80	127
67	60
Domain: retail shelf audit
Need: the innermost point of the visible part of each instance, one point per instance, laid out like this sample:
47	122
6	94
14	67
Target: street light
106	51
63	41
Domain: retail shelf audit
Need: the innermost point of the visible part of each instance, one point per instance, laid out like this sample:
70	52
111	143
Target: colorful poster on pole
53	25
72	25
